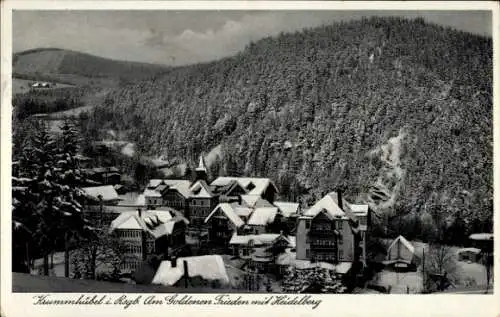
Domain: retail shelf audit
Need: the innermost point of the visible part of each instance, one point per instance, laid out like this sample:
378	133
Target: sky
186	37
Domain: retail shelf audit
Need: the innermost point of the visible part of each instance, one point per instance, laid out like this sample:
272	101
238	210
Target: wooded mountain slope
398	111
53	61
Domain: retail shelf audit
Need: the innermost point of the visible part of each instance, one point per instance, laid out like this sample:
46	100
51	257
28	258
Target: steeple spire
201	170
201	165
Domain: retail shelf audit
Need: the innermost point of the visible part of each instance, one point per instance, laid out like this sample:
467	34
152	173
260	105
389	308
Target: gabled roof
243	211
108	192
254	201
330	205
200	189
227	188
263	216
402	240
259	184
230	213
208	267
287	208
181	185
151	193
156	222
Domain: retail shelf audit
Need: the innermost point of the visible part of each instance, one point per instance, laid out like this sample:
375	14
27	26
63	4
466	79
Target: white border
18	304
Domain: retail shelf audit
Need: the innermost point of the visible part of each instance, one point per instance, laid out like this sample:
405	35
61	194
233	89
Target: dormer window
197	190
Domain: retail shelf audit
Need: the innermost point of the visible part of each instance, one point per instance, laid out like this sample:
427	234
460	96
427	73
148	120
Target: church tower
201	170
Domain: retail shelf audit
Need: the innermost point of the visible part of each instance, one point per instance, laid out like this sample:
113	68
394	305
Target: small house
105	194
469	254
104	175
401	255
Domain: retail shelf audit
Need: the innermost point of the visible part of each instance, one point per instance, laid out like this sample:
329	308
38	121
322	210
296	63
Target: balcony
321	232
316	245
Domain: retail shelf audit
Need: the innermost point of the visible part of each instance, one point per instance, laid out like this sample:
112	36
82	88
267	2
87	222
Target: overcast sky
175	38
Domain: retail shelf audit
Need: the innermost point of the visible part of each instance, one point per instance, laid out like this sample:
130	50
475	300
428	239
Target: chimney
339	198
139	212
186	273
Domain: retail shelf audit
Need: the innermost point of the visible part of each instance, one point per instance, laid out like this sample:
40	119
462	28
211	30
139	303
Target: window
308	224
340	239
308	253
341	254
340	225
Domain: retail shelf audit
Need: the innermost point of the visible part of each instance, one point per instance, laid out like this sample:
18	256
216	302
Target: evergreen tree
74	226
48	203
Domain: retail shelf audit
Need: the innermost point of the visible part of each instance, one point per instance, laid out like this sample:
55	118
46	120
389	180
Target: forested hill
53	61
398	111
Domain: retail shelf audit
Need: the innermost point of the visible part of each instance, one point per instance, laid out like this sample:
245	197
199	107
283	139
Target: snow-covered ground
474	273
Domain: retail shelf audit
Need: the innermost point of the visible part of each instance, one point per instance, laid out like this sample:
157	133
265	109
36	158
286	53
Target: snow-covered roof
258	239
151	193
481	236
141	200
405	242
262	216
287	208
473	250
343	267
261	255
261	239
230	213
286	258
107	192
200	189
260	184
357	209
254	201
157	222
330	205
181	185
243	211
208	267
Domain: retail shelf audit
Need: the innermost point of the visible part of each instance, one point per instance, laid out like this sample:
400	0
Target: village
233	234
